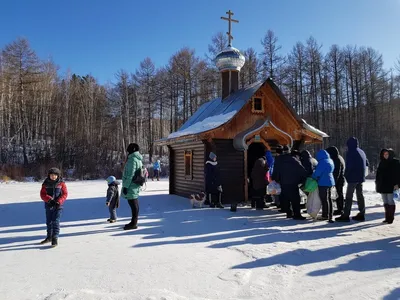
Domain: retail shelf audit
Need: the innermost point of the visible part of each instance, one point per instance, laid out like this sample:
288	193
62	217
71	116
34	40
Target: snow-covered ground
183	253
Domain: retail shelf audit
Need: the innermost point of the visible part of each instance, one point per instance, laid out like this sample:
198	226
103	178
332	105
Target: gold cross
230	20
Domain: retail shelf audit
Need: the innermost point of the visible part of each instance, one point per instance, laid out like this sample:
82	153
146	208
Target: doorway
255	151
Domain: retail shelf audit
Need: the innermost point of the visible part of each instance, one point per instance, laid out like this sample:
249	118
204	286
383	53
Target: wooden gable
272	108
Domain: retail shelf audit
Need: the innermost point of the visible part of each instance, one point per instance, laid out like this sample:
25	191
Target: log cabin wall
180	183
231	165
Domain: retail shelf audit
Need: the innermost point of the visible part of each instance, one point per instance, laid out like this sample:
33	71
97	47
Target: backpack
140	176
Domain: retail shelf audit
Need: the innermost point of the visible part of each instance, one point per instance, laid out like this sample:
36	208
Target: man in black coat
213	181
338	175
289	173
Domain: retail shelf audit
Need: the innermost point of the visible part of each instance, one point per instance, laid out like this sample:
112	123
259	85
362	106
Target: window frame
253	102
188	153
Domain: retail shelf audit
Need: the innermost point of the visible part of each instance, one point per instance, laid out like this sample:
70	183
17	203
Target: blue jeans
53	216
113	212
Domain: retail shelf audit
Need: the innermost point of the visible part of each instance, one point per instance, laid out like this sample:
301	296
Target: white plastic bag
274	188
396	195
334	194
313	204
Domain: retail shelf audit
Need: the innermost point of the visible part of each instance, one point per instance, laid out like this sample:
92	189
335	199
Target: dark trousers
340	199
113	212
358	187
134	204
290	196
214	198
258	196
326	201
53	216
156	174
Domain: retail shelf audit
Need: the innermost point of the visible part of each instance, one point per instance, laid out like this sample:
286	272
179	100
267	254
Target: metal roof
219	112
216	107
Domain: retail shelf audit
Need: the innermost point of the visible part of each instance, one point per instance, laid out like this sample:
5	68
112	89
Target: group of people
54	193
289	168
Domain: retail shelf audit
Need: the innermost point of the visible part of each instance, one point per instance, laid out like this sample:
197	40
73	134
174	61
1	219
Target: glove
124	191
219	188
107	203
51	203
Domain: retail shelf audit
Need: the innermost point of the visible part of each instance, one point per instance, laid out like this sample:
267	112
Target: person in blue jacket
156	170
324	175
270	160
356	165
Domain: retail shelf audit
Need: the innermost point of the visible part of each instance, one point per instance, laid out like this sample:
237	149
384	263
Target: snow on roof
216	112
205	125
314	130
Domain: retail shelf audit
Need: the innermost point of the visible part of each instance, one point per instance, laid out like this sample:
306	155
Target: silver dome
229	59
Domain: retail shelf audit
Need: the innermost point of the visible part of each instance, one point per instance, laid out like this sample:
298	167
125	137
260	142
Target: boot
337	212
130	226
54	242
386	206
299	218
391	211
233	207
342	218
359	217
45	241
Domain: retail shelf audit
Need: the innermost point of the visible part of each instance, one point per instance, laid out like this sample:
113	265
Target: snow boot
337	212
299	218
386	206
342	218
359	217
391	211
130	226
54	242
112	221
45	241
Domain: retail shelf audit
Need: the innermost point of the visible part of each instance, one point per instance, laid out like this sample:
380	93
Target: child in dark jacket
112	200
53	193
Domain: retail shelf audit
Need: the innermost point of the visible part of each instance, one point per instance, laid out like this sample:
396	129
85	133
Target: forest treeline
74	122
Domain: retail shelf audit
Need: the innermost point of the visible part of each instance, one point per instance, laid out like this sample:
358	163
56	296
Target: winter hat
285	149
132	148
296	153
111	179
55	171
212	155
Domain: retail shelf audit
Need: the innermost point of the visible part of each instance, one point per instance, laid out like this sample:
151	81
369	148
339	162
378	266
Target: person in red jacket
53	193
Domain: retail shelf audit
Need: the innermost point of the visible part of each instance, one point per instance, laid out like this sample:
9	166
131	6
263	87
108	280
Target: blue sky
101	37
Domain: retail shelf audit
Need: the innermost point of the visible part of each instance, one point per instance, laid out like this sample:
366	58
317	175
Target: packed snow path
183	253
